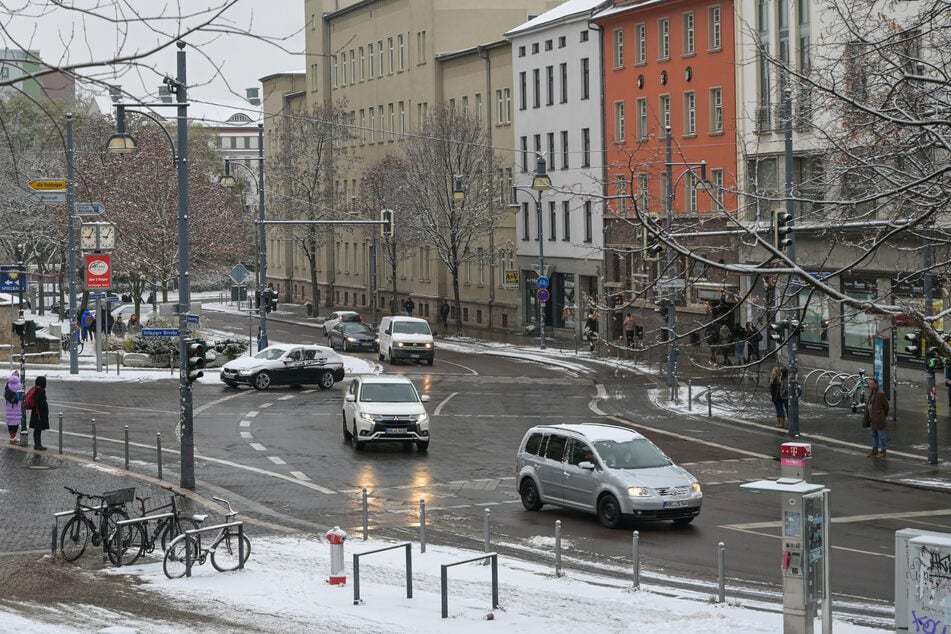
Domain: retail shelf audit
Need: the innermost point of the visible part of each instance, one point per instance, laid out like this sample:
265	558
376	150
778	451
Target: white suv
385	408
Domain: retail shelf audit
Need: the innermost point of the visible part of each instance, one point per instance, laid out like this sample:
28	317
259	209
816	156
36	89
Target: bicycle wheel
113	514
174	564
833	394
134	538
75	536
224	554
173	529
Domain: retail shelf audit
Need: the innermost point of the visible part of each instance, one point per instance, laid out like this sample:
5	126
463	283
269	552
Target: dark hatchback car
353	336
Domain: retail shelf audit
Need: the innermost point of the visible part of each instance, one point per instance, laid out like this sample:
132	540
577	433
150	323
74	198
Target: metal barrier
409	569
189	536
444	580
60	514
121	524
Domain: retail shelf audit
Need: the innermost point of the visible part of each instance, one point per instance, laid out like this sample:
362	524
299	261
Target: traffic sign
89	209
49	197
97	296
543	295
239	274
672	282
191	318
112	299
543	282
161	332
47	185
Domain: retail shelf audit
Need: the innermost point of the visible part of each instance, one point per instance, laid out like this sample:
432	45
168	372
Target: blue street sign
11	281
160	332
191	318
97	296
542	282
543	295
113	299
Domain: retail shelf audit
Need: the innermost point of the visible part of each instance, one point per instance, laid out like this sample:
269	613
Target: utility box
929	595
795	460
906	564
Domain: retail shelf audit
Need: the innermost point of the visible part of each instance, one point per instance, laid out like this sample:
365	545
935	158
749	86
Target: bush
231	348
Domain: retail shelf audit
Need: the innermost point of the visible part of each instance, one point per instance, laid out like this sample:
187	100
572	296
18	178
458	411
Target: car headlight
638	492
372	418
351	339
399	344
422	418
245	372
695	487
428	346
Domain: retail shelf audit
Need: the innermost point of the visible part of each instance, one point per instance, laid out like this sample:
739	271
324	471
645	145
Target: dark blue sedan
353	336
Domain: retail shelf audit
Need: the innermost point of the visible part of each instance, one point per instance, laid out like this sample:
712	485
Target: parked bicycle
854	388
80	529
224	550
64	343
139	540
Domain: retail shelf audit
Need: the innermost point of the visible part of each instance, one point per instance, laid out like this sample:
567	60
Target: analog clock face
87	237
107	236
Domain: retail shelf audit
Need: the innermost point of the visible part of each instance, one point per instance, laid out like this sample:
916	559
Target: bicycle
80	530
137	538
224	549
64	343
848	388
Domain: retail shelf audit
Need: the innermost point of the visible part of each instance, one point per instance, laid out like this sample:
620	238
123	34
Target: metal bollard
94	450
637	563
61	432
689	395
422	525
721	571
366	519
709	403
158	451
126	443
487	546
557	548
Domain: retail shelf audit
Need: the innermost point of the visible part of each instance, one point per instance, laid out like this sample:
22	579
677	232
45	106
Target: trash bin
310	309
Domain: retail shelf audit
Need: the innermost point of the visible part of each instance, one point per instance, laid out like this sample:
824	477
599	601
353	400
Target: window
565	222
422	113
421	47
402	108
538	143
713	28
584	36
716	181
618	48
526	230
343	69
522	90
588	221
690	184
689	35
640	43
563	82
478	106
549	85
620	194
548	45
521	51
552	221
536	88
556	447
392	113
401	53
643	193
372	125
564	150
690	113
665	112
534	48
523	143
363	65
619	122
585	147
452	104
503	103
663	38
335	73
363	126
379	55
585	78
507	96
641	124
372	61
382	123
562	41
465	105
389	54
716	110
353	67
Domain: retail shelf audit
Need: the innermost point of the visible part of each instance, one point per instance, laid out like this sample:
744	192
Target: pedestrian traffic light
934	361
651	244
917	343
663	307
782	228
386	229
195	354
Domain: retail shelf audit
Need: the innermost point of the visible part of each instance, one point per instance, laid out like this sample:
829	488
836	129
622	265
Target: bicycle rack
409	569
190	535
136	520
822	374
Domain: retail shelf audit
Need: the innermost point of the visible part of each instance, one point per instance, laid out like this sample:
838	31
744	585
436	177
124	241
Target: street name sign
160	332
48	185
52	197
89	209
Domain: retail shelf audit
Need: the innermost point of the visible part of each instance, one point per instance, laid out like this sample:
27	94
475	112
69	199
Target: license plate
414	356
675	504
396	430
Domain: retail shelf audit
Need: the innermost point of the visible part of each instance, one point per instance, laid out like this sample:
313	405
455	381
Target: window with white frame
371	61
465	105
619	122
690	185
382	123
499	107
643	193
618	41
716	182
524	145
689	34
392	112
400	53
363	126
663	38
343	69
478	106
713	28
716	110
363	64
690	113
390	55
664	113
335	73
507	98
353	67
620	194
640	43
641	124
372	125
421	47
379	56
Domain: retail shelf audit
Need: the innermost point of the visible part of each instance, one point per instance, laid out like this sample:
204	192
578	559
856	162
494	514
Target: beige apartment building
392	62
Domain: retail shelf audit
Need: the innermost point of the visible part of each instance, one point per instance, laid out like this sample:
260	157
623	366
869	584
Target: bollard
637	563
61	432
158	450
336	537
53	545
721	571
557	548
422	525
486	535
709	403
366	520
126	442
689	395
94	440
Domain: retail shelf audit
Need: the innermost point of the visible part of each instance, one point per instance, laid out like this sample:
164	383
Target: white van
406	338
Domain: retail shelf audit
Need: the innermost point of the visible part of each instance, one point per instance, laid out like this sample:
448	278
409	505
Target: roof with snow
566	11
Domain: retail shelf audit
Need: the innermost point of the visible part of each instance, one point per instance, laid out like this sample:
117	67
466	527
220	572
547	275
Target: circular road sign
542	282
543	294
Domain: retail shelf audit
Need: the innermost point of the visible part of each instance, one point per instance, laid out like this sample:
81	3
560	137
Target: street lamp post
229	181
123	143
71	247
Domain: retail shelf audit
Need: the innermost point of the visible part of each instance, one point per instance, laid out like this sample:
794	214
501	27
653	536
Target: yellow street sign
48	185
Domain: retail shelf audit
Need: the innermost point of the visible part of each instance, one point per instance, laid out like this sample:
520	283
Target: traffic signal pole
792	416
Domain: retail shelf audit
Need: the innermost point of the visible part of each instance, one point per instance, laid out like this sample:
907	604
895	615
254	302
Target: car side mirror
350	398
586	465
424	398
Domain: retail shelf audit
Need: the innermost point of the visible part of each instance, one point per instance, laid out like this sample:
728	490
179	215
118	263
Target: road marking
247	435
244	423
438	410
287	398
300	475
257	446
252	413
276	460
265	405
464	367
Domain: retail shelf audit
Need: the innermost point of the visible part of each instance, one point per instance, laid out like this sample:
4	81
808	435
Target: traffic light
782	228
934	361
652	246
917	343
777	330
195	353
663	307
386	229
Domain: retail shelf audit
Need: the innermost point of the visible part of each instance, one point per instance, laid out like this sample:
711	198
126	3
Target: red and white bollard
336	537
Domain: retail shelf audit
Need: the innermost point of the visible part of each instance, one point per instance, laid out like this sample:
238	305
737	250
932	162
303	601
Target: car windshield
411	327
637	453
270	354
388	393
356	328
350	317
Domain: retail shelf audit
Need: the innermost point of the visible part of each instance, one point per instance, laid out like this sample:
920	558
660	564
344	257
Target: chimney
253	96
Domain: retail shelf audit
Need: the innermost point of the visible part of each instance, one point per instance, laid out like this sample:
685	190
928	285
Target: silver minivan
608	470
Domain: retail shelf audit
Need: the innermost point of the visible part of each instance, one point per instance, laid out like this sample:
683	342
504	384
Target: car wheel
380	354
392	360
429	362
346	347
326	380
330	343
609	511
682	521
357	444
231	384
262	381
530	498
346	431
422	445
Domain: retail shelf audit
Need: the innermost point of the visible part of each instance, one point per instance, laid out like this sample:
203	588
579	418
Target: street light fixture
540	183
124	143
229	181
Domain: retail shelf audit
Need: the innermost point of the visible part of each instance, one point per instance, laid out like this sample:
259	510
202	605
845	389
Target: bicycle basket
119	496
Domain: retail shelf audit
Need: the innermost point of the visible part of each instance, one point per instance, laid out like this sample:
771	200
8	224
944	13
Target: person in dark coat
409	305
12	395
591	330
779	393
444	311
753	337
40	414
876	417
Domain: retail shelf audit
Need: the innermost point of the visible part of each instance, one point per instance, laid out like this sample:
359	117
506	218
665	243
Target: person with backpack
12	395
35	401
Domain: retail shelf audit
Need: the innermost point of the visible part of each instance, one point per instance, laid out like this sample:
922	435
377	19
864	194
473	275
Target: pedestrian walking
88	323
726	343
444	311
408	306
739	339
712	337
876	417
630	326
119	327
35	401
591	330
753	337
779	393
134	326
12	395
